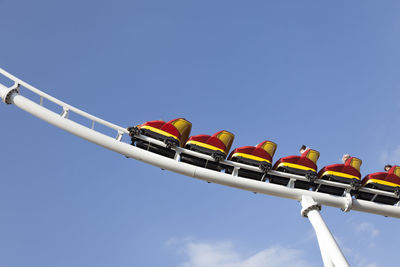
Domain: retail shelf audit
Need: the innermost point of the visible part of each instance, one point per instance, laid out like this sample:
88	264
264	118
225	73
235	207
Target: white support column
330	251
324	253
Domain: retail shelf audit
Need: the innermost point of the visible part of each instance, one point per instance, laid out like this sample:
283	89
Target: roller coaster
167	145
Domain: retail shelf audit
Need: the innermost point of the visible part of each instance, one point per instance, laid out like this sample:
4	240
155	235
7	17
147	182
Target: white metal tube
193	171
122	130
329	243
328	246
61	103
324	253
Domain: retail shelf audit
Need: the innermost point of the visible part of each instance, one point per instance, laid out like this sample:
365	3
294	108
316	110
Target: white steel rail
116	145
310	200
66	107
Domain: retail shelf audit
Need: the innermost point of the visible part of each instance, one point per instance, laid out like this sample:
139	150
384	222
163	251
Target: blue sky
294	72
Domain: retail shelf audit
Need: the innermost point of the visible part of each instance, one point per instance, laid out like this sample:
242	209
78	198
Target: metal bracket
119	136
349	201
264	177
235	171
308	205
14	89
291	183
65	112
177	156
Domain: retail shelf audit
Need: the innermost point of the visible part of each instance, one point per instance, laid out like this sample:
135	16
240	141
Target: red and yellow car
173	133
258	156
216	145
387	181
348	173
305	165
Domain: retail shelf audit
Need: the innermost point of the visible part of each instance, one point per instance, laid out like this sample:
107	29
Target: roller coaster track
310	200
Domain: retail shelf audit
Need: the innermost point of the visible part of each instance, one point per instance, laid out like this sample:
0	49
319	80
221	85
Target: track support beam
330	251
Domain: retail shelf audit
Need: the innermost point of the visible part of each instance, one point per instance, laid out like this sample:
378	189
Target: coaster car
348	173
216	145
305	165
386	181
172	133
258	156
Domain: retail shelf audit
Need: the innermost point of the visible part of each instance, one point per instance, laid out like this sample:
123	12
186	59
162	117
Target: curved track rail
311	201
14	95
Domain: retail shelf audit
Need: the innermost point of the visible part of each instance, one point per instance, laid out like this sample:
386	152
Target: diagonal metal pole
330	251
324	253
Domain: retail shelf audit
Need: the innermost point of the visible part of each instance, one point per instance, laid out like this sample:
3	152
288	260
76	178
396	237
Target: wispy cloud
362	261
367	228
365	233
225	254
358	259
391	156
